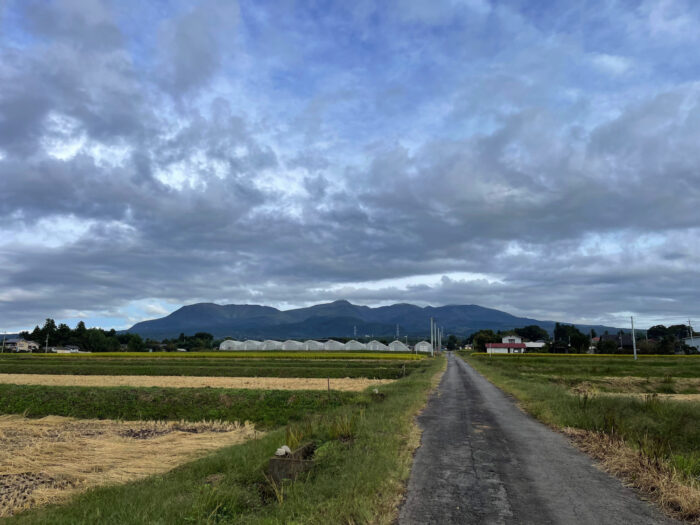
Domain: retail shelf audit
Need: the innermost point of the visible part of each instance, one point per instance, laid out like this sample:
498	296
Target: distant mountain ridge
337	319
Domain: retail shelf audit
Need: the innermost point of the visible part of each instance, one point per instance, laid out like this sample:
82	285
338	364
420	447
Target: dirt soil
47	460
263	383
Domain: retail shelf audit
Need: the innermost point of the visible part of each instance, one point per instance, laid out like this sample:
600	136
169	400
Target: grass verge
362	459
663	434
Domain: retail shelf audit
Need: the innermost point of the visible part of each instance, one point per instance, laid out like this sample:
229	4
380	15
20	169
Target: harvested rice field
47	460
258	383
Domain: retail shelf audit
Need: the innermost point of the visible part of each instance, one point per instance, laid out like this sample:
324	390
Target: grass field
227	354
364	451
593	394
265	408
326	365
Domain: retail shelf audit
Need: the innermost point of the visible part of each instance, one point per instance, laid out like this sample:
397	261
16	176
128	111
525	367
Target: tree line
99	340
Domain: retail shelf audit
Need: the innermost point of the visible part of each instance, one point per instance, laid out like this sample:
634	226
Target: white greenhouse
377	346
398	346
332	344
423	346
290	344
271	344
355	345
313	345
251	345
231	344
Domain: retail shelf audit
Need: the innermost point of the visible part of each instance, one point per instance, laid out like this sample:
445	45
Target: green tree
658	331
482	337
136	344
452	342
532	332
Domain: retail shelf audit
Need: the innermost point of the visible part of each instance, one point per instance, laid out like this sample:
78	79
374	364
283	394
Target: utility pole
690	329
354	332
397	332
4	335
46	347
634	339
432	337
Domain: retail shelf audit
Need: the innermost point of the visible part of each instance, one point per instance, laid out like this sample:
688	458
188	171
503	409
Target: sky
536	157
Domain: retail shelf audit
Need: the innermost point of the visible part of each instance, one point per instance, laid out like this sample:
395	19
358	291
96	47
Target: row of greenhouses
327	345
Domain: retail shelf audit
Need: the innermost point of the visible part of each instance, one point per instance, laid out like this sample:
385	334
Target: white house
505	348
20	345
377	346
355	345
535	345
398	346
423	346
511	339
313	345
290	344
331	344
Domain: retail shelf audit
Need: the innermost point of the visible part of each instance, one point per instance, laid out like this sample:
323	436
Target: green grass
118	364
363	458
662	429
267	408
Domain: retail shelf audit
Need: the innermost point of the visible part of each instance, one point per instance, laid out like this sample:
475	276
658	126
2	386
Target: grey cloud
517	197
190	45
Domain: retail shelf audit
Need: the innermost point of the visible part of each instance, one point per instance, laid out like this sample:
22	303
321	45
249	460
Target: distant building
17	344
398	346
230	344
331	344
377	346
290	344
423	346
693	341
511	339
313	345
271	344
535	345
505	348
355	345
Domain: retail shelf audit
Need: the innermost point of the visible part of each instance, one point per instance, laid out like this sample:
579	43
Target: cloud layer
535	158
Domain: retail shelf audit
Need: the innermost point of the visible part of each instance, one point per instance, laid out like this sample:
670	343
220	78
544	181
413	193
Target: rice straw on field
46	460
262	383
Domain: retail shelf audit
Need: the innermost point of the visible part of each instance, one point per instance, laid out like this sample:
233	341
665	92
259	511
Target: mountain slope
336	319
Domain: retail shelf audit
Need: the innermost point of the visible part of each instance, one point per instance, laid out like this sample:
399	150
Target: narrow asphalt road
482	460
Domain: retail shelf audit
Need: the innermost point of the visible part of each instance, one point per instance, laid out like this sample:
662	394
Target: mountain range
336	319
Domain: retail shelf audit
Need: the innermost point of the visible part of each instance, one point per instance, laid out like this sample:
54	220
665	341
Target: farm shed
377	346
423	346
355	345
398	346
313	345
290	344
252	345
332	344
271	344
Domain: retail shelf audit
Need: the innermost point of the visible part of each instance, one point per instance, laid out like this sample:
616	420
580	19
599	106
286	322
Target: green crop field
364	445
267	354
652	403
210	364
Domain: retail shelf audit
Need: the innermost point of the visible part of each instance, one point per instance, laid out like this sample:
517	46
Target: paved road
482	460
